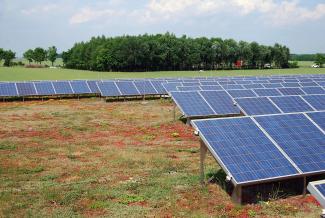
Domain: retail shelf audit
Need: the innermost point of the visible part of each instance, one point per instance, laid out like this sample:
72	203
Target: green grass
20	73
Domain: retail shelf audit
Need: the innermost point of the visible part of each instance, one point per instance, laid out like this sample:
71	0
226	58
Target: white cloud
270	11
40	9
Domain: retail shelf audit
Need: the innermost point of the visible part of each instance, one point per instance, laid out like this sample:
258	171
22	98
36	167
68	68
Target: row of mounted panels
261	148
109	88
317	189
212	103
311	84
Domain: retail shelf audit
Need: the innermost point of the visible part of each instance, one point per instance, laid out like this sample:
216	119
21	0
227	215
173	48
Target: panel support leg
188	121
174	111
237	194
203	153
305	186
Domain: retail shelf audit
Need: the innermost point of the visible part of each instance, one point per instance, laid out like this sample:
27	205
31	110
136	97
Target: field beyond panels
22	74
89	158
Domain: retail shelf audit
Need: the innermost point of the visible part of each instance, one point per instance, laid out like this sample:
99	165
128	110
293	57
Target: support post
203	153
237	194
174	112
305	187
188	121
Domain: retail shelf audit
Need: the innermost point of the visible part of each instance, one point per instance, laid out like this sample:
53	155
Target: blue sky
29	24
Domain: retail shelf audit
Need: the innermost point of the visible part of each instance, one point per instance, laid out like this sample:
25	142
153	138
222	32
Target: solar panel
192	104
191	84
243	150
291	91
127	88
317	189
26	89
62	88
291	85
157	84
318	118
169	87
307	84
209	83
145	87
188	88
253	86
226	82
272	85
221	102
241	93
257	106
231	86
108	89
211	87
80	87
44	88
93	86
267	92
313	90
317	101
8	90
290	104
243	82
299	138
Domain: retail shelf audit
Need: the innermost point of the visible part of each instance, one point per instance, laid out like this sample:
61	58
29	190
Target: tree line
39	55
167	52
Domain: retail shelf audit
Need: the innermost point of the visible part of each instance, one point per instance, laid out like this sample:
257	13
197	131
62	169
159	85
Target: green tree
39	55
320	59
8	56
52	54
28	55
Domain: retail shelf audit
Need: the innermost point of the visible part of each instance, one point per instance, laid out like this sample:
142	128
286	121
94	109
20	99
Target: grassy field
21	74
89	158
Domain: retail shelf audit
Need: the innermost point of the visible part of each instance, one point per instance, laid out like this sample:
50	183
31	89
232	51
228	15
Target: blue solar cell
211	87
318	118
191	84
192	104
108	89
267	92
243	149
127	88
291	91
257	106
145	87
243	82
227	82
253	86
221	102
321	189
8	90
241	93
290	85
313	90
307	84
276	81
317	101
159	87
299	138
188	88
291	80
321	83
93	86
26	89
44	88
80	87
272	85
62	88
231	86
169	87
290	104
209	83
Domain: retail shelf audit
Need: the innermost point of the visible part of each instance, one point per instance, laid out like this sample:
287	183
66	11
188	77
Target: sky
299	24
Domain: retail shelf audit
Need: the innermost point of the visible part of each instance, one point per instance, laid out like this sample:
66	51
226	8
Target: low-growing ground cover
88	158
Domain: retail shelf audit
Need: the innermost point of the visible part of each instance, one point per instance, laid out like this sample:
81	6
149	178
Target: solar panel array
267	147
249	86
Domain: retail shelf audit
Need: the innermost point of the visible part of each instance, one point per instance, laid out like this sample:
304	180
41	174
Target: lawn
70	158
21	74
